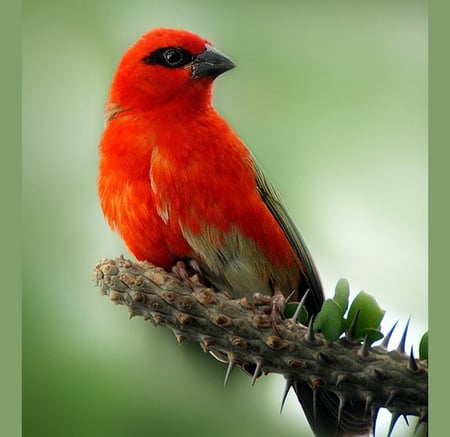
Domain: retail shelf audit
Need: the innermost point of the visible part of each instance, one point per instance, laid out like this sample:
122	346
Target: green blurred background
332	99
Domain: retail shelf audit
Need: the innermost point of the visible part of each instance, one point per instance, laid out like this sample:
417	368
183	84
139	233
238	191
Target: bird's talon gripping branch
196	274
278	303
189	272
180	271
275	306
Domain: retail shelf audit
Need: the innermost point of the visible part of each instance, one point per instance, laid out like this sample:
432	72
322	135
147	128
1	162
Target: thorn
364	349
321	356
287	387
290	296
379	374
401	346
394	419
257	372
342	401
386	339
367	405
420	421
418	425
392	394
309	336
315	390
342	377
350	334
298	310
230	368
423	416
180	338
406	419
374	412
219	356
412	364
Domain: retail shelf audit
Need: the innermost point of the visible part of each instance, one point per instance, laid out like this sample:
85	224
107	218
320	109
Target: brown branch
242	334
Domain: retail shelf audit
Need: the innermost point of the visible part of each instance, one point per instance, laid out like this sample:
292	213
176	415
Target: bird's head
166	64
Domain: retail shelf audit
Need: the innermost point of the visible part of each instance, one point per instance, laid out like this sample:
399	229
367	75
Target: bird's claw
180	271
188	272
276	304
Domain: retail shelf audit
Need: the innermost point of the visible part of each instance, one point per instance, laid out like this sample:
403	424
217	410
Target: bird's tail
327	419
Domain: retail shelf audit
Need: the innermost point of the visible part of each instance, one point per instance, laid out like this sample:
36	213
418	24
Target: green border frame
439	212
10	261
10	318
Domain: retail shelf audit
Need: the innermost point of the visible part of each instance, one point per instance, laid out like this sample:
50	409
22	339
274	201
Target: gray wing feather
276	207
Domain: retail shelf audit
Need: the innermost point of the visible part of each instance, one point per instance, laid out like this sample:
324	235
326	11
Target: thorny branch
241	333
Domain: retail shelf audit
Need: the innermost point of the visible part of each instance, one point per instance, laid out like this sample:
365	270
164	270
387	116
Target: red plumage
174	174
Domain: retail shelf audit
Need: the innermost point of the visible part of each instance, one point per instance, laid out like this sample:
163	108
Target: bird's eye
170	57
173	57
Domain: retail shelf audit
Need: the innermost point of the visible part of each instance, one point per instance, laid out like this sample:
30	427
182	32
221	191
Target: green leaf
342	293
370	314
373	335
290	309
330	320
423	347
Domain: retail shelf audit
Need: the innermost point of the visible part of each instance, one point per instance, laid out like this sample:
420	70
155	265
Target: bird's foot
180	271
188	271
276	304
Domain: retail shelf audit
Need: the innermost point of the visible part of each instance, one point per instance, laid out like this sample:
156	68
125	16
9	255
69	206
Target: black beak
210	63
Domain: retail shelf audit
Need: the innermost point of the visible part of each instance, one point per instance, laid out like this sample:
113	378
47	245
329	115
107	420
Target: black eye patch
170	57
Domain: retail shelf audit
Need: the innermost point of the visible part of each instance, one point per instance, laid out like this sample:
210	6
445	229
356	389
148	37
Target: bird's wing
324	416
276	207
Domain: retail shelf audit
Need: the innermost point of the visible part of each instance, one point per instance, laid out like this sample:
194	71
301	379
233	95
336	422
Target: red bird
177	183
